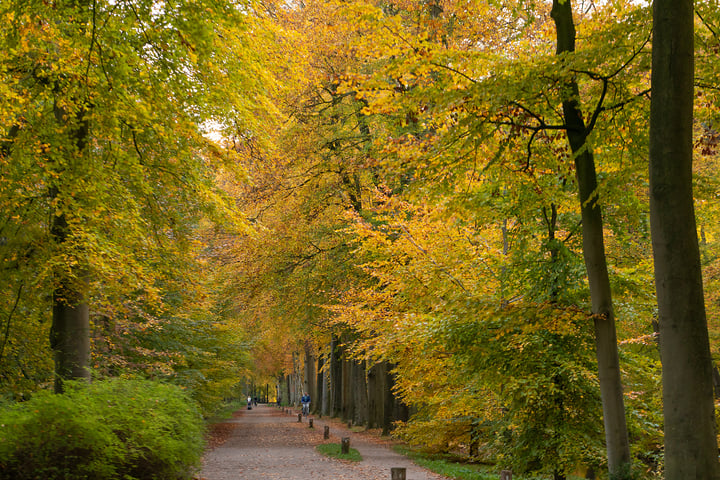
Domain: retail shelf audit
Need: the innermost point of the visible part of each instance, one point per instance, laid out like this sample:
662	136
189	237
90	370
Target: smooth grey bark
325	392
611	392
322	383
311	376
70	330
335	377
384	407
401	411
348	406
288	388
375	377
360	391
296	384
388	399
70	336
691	450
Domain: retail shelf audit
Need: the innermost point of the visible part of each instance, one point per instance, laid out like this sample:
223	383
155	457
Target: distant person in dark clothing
305	400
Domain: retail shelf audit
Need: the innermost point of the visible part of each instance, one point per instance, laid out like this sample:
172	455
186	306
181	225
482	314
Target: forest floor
267	443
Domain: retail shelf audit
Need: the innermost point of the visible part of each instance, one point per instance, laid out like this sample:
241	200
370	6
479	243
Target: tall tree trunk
287	396
616	435
321	386
335	377
70	335
311	375
348	405
691	450
388	399
375	380
295	381
70	331
401	410
360	393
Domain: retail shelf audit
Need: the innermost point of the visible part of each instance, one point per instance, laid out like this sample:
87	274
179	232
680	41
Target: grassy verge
453	467
333	450
448	466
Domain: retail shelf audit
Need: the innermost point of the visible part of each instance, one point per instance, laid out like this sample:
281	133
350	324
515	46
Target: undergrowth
113	429
455	468
226	410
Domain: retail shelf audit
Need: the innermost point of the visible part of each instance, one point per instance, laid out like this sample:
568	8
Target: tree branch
426	253
9	319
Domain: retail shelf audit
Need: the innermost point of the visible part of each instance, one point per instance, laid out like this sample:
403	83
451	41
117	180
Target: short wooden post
345	445
299	417
326	432
397	473
310	423
506	475
349	423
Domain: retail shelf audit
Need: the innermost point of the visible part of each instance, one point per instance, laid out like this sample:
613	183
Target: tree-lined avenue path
267	443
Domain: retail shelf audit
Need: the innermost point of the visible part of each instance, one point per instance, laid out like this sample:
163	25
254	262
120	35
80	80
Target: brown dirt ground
218	434
268	443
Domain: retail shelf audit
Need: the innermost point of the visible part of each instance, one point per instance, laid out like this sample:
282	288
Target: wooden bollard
310	423
345	445
326	432
397	473
349	423
506	475
299	417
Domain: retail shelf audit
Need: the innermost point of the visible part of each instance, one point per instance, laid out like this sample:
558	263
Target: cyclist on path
305	400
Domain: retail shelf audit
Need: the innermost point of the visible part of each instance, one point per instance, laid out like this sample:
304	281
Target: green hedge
114	429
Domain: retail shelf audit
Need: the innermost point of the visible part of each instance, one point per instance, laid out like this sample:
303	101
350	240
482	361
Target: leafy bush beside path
113	429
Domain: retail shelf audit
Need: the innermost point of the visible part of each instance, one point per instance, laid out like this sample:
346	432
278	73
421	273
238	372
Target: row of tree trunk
355	391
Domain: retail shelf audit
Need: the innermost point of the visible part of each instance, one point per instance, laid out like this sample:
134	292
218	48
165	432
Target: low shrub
114	429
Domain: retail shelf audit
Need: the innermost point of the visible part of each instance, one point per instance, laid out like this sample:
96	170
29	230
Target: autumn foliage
374	202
